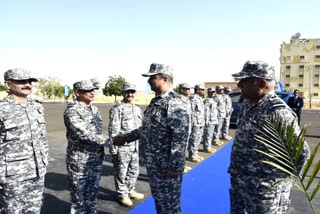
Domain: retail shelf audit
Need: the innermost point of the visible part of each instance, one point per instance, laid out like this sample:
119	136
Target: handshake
119	140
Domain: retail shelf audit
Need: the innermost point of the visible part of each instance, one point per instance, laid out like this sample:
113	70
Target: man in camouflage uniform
23	146
221	106
250	178
165	131
185	90
197	123
123	118
211	118
226	120
85	149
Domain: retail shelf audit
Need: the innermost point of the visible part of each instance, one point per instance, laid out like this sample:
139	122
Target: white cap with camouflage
19	74
156	68
85	85
256	69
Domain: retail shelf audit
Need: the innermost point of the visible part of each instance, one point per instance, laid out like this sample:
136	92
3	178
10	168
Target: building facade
300	67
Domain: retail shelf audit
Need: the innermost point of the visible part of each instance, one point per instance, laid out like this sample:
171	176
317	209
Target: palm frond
284	150
308	164
315	191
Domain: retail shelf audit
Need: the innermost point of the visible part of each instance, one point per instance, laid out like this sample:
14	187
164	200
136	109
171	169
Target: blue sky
203	40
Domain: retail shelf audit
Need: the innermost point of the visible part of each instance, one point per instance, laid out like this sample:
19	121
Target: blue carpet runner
205	189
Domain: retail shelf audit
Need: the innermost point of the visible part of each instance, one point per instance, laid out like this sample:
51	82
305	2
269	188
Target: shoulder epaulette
69	105
37	101
116	105
277	102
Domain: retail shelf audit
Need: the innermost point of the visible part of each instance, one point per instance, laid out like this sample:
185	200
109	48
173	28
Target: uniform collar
12	101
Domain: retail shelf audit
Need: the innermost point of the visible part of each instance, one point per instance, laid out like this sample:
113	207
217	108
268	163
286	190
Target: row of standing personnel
164	132
210	117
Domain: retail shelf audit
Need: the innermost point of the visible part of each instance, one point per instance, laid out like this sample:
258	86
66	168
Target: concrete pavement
56	197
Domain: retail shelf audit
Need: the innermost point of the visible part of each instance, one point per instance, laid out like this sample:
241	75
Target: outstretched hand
120	139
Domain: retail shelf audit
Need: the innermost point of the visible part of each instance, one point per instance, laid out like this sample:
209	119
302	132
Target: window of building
288	75
300	75
301	57
315	94
317	56
316	75
287	85
301	68
288	68
300	85
316	85
317	46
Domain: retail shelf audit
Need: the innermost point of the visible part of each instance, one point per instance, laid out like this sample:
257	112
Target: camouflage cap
85	85
199	86
128	87
158	69
209	90
184	86
219	87
227	89
257	69
19	74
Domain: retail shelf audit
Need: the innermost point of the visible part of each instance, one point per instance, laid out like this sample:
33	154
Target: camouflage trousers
207	135
194	140
225	127
126	169
166	191
217	130
252	195
84	181
22	197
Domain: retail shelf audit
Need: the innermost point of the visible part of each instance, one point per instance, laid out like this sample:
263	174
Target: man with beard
23	146
197	123
123	118
164	131
185	90
251	179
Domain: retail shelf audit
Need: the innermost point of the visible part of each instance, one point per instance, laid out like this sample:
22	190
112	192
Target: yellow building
300	67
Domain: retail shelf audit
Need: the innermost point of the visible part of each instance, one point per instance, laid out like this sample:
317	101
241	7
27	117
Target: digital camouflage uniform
226	120
23	152
164	132
221	107
85	152
251	178
197	124
123	118
211	119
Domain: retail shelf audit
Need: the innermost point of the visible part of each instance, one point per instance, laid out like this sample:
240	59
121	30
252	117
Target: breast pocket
127	121
18	163
11	129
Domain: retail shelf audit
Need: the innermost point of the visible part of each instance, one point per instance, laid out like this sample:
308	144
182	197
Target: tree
50	87
3	87
113	87
177	89
284	152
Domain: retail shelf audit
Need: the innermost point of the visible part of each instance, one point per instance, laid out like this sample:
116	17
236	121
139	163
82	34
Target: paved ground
56	197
